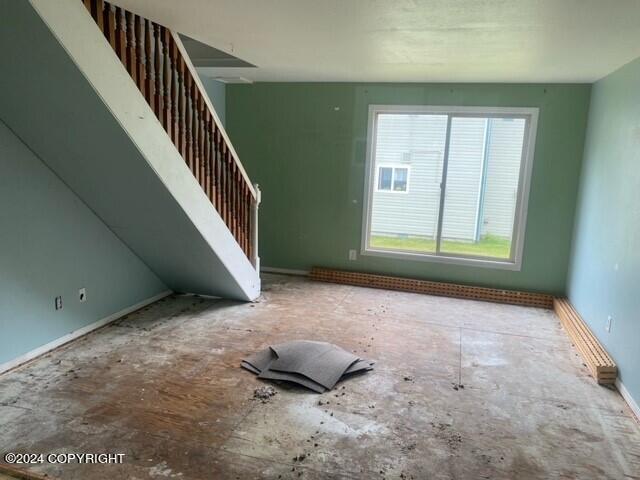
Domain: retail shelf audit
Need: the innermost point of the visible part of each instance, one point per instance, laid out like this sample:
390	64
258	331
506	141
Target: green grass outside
488	246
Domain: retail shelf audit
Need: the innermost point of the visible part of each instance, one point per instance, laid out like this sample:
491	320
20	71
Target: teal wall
305	145
51	244
217	94
604	276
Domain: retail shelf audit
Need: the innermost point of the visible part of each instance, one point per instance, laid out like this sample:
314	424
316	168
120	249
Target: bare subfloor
461	390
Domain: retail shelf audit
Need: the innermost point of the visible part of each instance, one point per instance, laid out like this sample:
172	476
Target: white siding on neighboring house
464	178
416	141
503	171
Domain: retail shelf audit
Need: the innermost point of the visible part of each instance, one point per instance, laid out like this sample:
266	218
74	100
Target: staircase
160	67
111	102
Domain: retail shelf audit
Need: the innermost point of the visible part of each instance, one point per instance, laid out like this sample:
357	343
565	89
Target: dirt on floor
461	390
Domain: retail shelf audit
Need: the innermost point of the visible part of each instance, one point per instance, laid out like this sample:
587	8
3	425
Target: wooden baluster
220	178
87	5
195	129
150	79
229	186
223	182
141	70
234	191
207	150
247	217
245	210
110	28
247	214
182	101
203	160
212	159
99	15
241	209
175	91
121	35
167	74
196	132
188	120
245	202
157	65
131	46
216	167
236	196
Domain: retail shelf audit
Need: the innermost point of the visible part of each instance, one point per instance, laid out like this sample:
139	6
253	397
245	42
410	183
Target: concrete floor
461	390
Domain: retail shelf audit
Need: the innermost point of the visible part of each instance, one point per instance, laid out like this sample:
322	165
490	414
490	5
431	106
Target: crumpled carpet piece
317	366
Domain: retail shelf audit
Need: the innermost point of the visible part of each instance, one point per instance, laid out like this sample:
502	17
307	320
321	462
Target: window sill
425	257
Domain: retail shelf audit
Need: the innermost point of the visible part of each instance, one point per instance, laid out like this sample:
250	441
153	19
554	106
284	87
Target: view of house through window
462	174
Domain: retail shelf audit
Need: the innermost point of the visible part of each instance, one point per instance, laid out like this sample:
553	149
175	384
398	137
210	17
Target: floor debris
264	394
317	366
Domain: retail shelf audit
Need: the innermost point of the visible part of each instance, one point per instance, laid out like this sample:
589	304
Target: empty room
298	239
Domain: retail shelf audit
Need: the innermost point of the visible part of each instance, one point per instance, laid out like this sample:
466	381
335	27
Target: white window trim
524	183
393	166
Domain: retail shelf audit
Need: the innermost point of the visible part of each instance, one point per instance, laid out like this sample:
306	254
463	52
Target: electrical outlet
58	303
609	320
353	255
82	294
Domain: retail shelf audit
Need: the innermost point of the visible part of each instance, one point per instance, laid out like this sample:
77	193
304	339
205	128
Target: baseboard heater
596	358
512	297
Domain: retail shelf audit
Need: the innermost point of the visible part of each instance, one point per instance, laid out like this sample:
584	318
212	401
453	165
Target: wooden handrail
159	65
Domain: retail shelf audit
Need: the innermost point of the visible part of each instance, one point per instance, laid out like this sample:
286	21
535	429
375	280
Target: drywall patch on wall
305	144
52	245
604	272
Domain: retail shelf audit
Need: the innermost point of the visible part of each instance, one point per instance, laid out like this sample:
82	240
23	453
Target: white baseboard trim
628	398
58	342
286	271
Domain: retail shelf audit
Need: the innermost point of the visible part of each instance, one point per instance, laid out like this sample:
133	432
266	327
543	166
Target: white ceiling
410	40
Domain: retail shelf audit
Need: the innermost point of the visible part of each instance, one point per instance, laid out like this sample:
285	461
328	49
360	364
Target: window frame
393	167
530	114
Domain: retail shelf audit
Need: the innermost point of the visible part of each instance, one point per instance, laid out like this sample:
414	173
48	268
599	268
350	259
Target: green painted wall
305	145
605	266
52	244
217	94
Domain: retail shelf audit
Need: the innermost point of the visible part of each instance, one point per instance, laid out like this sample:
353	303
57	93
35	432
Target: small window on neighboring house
393	179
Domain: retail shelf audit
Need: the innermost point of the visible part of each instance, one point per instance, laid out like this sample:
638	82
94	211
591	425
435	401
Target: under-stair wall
68	95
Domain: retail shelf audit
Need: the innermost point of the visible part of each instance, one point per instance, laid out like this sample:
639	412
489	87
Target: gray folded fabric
292	377
262	359
317	366
322	362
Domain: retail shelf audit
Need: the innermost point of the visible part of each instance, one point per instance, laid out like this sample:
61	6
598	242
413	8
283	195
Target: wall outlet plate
82	294
58	303
608	326
353	255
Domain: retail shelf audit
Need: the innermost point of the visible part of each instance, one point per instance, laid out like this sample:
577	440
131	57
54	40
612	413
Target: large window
470	169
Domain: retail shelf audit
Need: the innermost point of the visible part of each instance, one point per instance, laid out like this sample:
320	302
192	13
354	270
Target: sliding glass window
463	174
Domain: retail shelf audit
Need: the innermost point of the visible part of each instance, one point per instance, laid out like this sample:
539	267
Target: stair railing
159	65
